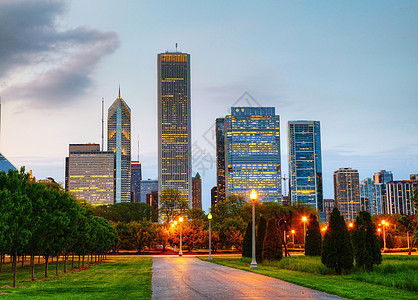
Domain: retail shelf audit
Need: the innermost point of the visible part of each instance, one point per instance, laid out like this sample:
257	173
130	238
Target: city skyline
353	72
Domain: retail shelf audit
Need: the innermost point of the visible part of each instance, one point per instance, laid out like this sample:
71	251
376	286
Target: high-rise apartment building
174	124
398	197
90	174
119	142
220	158
305	165
382	177
371	196
136	177
147	187
347	193
252	153
328	207
197	191
213	196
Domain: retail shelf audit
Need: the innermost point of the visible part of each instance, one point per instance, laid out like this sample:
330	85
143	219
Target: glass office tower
252	153
220	158
119	142
305	165
371	196
174	124
347	193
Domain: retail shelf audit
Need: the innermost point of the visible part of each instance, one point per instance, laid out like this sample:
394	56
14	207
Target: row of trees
36	220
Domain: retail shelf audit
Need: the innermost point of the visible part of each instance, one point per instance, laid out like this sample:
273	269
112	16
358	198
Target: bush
337	252
261	232
272	247
246	243
389	241
313	245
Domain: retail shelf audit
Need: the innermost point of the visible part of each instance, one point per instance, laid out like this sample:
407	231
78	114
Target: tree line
37	220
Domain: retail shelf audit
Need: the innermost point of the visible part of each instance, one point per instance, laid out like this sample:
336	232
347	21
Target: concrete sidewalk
192	278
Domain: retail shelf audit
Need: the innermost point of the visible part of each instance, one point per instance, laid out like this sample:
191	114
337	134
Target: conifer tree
337	251
272	247
261	232
246	243
365	242
313	245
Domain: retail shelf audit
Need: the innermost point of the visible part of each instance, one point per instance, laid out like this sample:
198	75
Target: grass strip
343	286
117	278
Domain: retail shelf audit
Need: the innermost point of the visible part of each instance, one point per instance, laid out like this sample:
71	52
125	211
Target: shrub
313	245
272	247
246	243
261	232
337	252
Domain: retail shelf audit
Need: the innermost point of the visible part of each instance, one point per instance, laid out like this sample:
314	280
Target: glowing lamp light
181	219
378	229
210	216
172	225
304	219
350	225
293	231
175	222
383	222
253	196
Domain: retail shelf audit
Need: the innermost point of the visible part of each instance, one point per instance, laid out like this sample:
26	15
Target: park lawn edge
338	285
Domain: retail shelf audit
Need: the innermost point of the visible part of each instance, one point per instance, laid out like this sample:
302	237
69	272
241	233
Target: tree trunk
1	262
83	262
65	262
32	264
79	257
46	266
57	265
410	247
15	269
23	261
39	259
72	262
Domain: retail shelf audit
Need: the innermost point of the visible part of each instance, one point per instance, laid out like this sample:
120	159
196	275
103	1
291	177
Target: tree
261	233
337	252
313	245
247	241
141	234
162	235
272	246
172	205
365	242
411	222
126	212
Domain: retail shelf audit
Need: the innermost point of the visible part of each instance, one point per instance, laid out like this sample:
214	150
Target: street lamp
384	224
304	230
351	225
293	237
181	221
210	237
253	197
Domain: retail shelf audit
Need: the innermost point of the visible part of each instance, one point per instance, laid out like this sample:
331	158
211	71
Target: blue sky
352	65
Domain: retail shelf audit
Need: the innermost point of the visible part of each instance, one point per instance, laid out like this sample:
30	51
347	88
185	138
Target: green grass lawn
117	278
395	278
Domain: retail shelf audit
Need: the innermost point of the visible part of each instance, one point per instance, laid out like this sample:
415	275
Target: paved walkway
192	278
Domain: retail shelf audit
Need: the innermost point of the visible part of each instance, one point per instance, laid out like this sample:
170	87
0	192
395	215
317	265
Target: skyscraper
147	187
174	124
136	177
305	165
5	165
399	197
197	191
371	196
90	174
220	158
347	193
252	153
119	142
381	178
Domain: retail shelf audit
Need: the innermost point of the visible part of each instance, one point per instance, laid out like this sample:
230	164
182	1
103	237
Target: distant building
252	153
174	124
398	197
5	165
328	207
152	200
213	196
220	158
197	191
347	193
413	176
371	196
305	164
90	174
148	186
381	178
47	180
119	142
136	177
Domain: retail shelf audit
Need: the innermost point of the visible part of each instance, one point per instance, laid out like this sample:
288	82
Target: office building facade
220	158
305	164
174	124
252	153
119	142
197	191
347	193
136	177
328	207
382	177
371	198
90	174
5	165
147	187
399	196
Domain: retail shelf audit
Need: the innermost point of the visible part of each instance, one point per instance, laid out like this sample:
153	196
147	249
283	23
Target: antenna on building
102	124
138	147
176	47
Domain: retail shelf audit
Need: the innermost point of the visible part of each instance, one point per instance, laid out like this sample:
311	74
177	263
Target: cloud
40	62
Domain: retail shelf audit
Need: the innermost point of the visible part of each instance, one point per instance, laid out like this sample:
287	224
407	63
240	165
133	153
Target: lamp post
304	231
384	234
253	197
210	237
293	237
181	221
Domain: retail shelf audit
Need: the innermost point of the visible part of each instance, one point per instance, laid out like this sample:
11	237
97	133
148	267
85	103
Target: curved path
191	278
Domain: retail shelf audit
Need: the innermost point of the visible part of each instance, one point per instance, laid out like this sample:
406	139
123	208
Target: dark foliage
313	245
126	212
272	247
246	243
261	232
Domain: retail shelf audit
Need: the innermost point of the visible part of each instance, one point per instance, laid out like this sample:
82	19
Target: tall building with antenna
119	142
174	124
